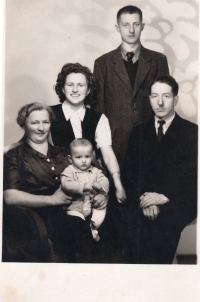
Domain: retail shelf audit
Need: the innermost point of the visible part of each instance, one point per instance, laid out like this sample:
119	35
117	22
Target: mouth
75	95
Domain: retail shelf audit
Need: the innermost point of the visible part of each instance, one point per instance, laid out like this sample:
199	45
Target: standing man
160	177
123	77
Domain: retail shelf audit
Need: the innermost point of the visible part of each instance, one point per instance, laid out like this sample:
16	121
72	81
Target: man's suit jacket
124	106
168	167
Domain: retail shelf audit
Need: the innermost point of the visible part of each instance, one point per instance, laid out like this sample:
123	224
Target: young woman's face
76	89
37	126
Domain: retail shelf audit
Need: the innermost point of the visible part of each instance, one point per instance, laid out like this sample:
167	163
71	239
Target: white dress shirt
102	133
168	122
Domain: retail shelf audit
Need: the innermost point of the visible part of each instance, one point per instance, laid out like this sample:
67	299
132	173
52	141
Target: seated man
160	177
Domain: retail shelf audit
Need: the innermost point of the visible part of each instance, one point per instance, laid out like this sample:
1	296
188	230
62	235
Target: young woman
75	88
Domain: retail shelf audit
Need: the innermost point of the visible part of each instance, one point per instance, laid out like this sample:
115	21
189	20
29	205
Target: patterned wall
42	35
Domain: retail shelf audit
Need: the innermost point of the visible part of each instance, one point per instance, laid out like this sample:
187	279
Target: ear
176	100
143	25
117	28
70	159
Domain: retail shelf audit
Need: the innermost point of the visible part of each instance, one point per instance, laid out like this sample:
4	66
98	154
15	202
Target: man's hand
59	198
149	199
100	201
151	212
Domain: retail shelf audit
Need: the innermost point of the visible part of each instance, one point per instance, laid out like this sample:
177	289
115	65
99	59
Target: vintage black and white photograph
100	139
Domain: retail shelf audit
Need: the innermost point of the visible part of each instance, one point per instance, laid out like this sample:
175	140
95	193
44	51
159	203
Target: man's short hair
130	9
79	142
166	80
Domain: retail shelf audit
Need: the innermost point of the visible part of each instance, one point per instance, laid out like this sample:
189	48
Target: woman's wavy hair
76	68
26	110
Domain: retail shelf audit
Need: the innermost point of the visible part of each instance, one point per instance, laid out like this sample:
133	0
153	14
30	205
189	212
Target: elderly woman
32	179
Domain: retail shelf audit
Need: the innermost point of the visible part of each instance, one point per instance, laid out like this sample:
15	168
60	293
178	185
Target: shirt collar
80	171
30	150
168	121
135	50
68	112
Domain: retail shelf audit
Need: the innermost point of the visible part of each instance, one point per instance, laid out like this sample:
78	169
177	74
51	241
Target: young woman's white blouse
102	133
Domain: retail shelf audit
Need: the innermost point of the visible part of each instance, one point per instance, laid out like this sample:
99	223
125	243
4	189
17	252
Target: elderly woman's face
37	126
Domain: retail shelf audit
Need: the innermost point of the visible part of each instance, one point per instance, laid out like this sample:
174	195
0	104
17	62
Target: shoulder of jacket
185	123
153	53
106	56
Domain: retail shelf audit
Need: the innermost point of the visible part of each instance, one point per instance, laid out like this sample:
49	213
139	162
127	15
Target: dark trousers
149	242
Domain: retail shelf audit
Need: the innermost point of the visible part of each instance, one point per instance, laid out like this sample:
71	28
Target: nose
41	126
83	159
75	88
131	29
160	101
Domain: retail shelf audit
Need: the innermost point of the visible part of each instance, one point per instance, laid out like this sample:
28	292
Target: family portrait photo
100	140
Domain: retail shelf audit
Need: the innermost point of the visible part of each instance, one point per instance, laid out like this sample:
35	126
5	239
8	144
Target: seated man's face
162	100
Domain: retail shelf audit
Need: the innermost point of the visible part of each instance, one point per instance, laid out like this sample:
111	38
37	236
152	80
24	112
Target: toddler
82	181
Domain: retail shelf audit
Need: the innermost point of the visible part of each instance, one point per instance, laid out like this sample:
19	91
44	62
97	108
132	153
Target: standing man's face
130	27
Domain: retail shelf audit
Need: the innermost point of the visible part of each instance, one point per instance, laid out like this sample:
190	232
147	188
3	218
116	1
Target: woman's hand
60	198
120	194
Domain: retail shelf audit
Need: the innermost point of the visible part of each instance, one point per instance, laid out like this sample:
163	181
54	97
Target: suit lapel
143	69
120	68
173	132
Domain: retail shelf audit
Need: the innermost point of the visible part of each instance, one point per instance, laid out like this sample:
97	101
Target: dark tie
130	56
160	130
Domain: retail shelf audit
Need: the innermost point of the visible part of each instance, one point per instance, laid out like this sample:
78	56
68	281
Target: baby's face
82	157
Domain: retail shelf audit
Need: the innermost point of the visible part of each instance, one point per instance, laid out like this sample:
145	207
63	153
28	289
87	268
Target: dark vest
131	70
62	131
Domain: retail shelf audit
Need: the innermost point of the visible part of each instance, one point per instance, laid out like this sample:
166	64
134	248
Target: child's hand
88	186
98	188
120	194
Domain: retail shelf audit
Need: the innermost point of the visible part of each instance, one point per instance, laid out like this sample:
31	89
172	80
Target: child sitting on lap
82	181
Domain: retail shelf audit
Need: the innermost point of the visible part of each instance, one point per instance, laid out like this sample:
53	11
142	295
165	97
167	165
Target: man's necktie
130	56
160	130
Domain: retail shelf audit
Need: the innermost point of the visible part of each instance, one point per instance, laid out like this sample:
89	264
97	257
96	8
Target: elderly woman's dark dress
33	199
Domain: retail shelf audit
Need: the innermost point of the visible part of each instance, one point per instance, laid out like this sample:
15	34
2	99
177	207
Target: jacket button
134	110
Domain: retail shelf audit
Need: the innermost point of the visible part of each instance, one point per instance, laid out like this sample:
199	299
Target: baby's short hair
79	142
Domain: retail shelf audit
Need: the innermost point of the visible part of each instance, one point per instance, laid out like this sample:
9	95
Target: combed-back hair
79	142
76	68
130	9
166	80
26	110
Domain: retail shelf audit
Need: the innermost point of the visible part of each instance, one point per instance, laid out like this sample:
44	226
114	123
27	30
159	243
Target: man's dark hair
130	9
166	80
